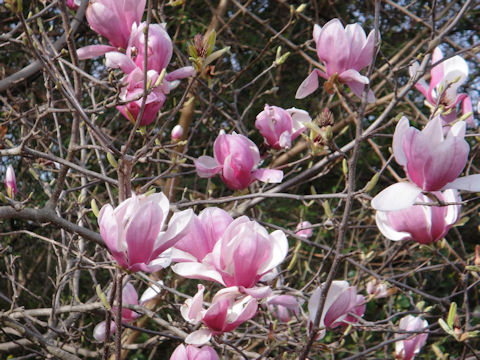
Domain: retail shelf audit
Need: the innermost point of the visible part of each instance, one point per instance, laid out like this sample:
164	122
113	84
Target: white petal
396	197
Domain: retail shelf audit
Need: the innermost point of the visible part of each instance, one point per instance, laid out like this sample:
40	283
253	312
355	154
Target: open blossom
433	161
342	299
283	307
10	182
136	231
421	223
236	159
205	231
304	229
191	352
133	90
113	19
407	349
228	310
445	80
280	127
129	297
241	256
344	51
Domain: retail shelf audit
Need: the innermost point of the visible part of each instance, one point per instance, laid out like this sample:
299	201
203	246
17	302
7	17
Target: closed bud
177	132
10	182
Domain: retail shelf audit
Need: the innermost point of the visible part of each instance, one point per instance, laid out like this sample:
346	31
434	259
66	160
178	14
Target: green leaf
451	314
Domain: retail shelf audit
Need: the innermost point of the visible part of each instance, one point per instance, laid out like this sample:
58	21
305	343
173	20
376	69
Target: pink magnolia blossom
280	127
73	4
236	159
241	256
228	310
304	229
344	51
342	300
129	297
445	80
113	19
191	352
136	232
10	182
133	90
433	161
283	307
424	224
205	231
407	349
177	132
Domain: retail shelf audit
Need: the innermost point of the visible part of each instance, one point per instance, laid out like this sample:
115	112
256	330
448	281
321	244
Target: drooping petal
270	175
396	197
91	51
308	86
207	166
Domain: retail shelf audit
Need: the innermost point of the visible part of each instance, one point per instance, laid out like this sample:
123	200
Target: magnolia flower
133	90
431	160
177	132
205	231
344	51
10	182
73	4
424	224
280	127
283	307
236	159
342	299
228	310
136	233
445	80
242	255
304	229
407	349
191	352
129	297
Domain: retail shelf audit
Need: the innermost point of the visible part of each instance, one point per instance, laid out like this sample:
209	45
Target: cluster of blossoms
121	23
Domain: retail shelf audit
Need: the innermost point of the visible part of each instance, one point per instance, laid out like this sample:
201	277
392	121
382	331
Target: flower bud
177	132
10	182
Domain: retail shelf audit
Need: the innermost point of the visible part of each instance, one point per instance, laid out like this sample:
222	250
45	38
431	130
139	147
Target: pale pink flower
304	229
136	231
73	4
421	223
344	51
342	300
433	161
191	352
283	307
236	159
407	349
280	127
445	80
243	254
129	297
177	132
10	182
228	310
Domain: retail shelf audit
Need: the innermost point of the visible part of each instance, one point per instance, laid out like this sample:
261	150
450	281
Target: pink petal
181	73
199	337
91	51
115	60
192	270
270	175
178	227
308	86
207	166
